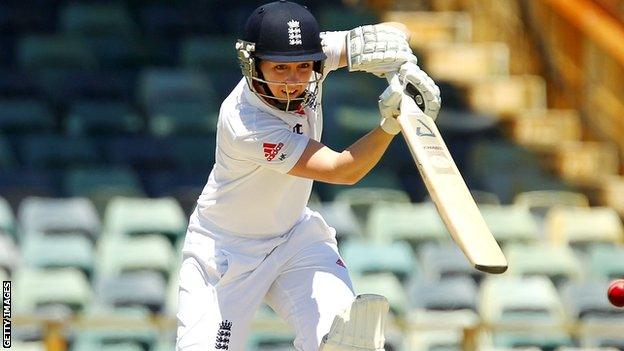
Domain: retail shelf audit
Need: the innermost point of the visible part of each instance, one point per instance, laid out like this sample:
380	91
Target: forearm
359	158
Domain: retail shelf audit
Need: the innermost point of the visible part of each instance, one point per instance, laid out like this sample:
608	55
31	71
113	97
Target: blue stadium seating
97	117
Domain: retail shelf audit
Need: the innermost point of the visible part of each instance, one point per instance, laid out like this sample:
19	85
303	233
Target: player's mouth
290	92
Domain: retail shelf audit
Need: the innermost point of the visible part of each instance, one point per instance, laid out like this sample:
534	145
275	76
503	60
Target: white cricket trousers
225	278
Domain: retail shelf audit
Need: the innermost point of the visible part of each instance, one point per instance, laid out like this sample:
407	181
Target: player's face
287	72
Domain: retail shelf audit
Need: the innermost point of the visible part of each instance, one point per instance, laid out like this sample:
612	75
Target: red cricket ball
616	293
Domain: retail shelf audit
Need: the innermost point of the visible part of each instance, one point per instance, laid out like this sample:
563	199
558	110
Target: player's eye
304	65
281	67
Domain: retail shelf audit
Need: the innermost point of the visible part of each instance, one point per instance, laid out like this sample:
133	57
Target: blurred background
107	121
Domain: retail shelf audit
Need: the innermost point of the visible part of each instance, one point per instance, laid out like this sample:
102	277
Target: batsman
251	237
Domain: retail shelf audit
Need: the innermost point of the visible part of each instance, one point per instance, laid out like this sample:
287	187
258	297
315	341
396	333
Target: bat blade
448	190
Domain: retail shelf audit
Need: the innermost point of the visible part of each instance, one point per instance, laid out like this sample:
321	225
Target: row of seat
112	254
123	275
380	214
152	18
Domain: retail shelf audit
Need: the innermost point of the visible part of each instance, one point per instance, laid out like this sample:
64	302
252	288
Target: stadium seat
48	215
507	96
7	219
7	156
23	115
58	251
340	217
436	295
430	340
434	27
17	185
133	289
510	223
117	53
140	153
417	223
445	260
586	163
545	341
545	130
499	156
612	193
54	51
605	261
177	183
65	87
119	255
58	152
586	300
520	299
615	341
485	198
364	258
378	178
275	340
195	154
100	184
582	226
333	18
9	254
99	19
38	289
360	200
385	284
17	83
206	53
184	118
356	120
166	20
27	345
96	117
557	262
159	86
87	181
127	216
128	325
542	201
466	63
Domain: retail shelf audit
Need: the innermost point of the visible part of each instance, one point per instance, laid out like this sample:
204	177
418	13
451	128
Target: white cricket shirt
249	192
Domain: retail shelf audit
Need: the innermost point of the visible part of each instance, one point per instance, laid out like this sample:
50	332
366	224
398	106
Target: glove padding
389	102
411	74
377	49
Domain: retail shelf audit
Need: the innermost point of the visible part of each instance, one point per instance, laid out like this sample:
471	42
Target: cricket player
251	237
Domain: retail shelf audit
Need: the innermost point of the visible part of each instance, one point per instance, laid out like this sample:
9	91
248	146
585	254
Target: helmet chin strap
277	103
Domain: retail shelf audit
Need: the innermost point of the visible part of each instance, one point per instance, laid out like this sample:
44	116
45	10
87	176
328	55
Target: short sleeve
333	43
271	145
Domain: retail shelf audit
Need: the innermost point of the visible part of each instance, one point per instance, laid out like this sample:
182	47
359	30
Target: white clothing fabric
248	192
223	280
252	238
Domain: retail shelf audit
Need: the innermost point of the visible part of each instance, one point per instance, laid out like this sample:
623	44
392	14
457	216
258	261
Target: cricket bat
447	187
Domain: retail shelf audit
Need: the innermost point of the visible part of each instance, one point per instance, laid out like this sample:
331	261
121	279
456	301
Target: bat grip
409	91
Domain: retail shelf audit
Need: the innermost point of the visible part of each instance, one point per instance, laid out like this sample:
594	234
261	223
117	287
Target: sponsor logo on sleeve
271	150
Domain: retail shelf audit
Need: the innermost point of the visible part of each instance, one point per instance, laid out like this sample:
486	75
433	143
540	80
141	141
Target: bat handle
410	91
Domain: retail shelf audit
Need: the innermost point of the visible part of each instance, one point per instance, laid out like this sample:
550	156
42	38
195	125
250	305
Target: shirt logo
297	128
223	335
340	263
294	32
271	150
